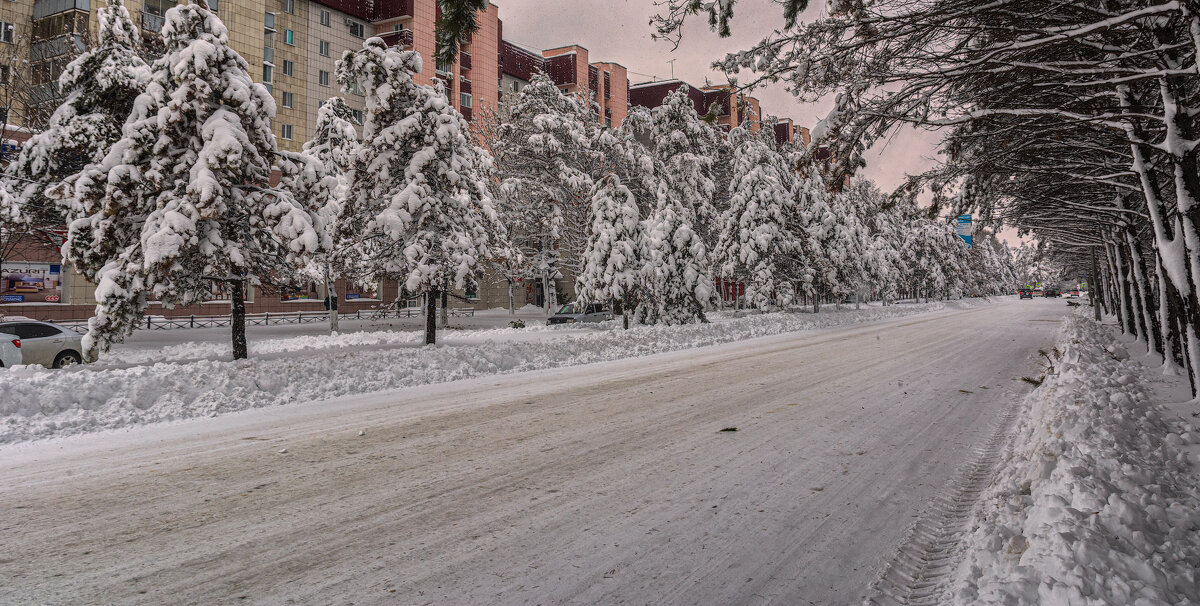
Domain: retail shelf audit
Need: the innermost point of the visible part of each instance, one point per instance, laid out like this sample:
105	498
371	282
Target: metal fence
269	319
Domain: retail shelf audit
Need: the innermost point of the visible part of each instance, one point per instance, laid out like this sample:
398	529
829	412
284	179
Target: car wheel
65	359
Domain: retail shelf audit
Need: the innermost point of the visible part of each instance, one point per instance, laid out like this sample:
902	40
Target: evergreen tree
546	158
183	199
685	148
757	239
611	267
332	148
418	196
101	85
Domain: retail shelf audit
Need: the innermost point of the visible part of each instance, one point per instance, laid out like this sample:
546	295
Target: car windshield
569	308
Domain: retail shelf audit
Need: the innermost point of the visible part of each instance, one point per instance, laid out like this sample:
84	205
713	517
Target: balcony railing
466	113
402	38
153	23
465	60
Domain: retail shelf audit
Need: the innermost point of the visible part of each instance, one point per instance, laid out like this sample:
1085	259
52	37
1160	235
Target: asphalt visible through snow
607	483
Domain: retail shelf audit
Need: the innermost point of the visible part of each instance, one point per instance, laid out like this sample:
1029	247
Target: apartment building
731	108
605	84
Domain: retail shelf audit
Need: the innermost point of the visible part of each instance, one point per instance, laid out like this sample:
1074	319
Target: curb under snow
37	403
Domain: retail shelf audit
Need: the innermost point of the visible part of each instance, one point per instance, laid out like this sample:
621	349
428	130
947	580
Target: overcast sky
619	31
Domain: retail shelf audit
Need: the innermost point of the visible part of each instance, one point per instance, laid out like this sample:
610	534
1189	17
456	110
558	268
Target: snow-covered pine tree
611	265
686	150
101	85
418	193
545	158
757	241
183	199
837	241
678	286
332	147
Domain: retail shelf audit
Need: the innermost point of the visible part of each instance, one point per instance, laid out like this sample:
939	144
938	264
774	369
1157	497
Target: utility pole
672	62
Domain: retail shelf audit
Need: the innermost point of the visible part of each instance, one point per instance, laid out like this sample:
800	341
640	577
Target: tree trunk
445	303
237	323
430	317
512	310
1095	278
333	299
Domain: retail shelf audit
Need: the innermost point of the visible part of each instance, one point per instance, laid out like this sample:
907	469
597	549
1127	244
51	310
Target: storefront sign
30	282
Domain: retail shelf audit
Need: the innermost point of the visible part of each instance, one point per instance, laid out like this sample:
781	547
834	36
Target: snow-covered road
603	483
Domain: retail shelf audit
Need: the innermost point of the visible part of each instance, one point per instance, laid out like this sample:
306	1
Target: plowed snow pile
1096	501
39	403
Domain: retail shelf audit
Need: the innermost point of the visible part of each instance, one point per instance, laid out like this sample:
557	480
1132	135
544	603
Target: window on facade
289	99
323	78
289	68
354	89
212	5
5	74
325	18
324	48
289	7
286	131
6	32
464	99
358	30
289	36
268	74
269	21
357	114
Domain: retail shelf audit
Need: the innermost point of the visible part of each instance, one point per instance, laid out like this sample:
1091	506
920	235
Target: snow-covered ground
606	483
1097	501
157	378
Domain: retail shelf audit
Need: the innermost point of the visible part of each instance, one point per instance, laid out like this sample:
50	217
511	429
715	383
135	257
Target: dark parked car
575	312
1026	293
1052	293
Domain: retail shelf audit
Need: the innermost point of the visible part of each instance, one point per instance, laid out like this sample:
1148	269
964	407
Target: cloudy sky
619	31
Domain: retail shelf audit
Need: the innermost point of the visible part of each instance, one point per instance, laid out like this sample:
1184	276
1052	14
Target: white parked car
10	351
45	343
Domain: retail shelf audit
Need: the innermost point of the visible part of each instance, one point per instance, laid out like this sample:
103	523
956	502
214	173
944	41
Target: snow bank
39	403
1096	501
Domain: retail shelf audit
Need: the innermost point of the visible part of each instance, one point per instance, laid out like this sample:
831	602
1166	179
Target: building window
212	5
289	99
325	18
289	7
289	68
324	48
357	114
323	78
353	87
286	131
289	36
268	74
5	74
6	32
269	21
464	99
358	30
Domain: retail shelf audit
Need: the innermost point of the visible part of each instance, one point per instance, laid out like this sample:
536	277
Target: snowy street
599	483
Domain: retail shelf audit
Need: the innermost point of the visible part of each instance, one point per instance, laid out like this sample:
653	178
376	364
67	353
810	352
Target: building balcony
466	113
402	38
153	23
464	86
464	60
394	9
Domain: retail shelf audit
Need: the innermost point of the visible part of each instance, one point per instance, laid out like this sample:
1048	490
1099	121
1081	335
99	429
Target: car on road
10	351
1052	293
578	312
1026	293
45	343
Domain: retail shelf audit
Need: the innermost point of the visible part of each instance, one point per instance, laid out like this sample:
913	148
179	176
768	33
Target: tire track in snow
919	571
